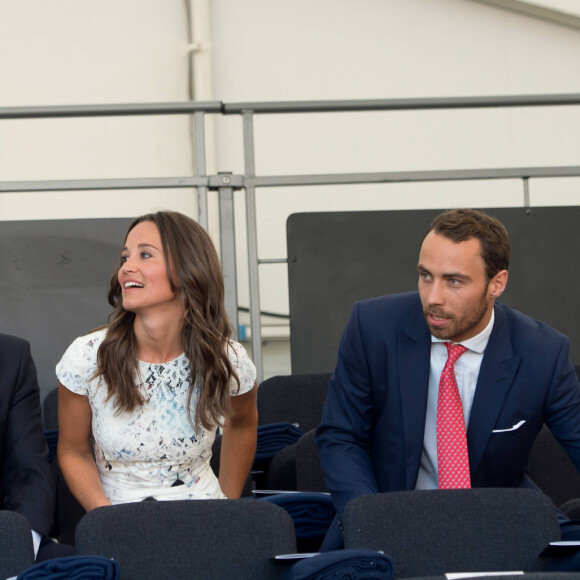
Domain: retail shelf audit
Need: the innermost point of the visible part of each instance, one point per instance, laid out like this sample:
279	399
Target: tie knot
454	351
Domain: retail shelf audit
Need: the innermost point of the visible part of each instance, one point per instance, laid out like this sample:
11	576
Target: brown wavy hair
191	258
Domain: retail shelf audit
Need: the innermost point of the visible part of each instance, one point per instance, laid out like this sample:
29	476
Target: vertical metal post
251	221
526	181
228	252
200	168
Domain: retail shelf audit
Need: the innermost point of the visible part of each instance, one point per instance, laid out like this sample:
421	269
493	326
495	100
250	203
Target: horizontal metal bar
291	180
273	261
95	184
189	107
402	104
411	176
265	313
120	110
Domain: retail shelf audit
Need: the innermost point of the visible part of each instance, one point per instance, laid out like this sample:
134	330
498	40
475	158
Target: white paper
459	575
297	556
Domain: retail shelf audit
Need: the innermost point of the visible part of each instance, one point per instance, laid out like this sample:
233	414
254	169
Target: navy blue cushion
351	564
312	512
273	437
73	568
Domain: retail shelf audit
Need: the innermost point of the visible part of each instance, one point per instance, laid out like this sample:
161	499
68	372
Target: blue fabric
273	437
312	512
342	565
73	568
565	564
334	539
570	529
51	436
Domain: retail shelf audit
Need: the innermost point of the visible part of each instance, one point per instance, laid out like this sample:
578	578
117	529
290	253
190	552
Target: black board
54	277
337	258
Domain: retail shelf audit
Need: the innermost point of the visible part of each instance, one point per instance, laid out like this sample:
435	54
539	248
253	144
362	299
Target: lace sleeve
244	368
77	366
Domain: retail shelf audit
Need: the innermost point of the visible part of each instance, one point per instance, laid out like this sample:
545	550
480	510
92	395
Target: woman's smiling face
143	272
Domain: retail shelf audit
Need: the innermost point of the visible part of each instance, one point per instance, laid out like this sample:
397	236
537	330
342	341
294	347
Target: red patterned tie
452	457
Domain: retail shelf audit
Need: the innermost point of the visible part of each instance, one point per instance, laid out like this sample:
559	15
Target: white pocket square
514	428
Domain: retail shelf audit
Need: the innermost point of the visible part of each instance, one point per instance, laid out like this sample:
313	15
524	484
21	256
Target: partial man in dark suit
26	483
383	427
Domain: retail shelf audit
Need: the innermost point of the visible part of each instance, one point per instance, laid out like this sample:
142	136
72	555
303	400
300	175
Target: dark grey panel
54	277
337	258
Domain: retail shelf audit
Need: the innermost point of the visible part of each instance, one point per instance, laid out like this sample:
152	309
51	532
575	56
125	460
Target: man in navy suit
26	483
379	426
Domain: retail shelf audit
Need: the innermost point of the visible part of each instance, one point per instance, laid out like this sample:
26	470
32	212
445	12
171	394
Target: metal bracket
220	180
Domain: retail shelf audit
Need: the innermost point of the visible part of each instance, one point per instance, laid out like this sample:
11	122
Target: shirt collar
478	342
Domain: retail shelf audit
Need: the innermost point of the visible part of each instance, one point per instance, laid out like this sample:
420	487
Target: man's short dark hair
460	225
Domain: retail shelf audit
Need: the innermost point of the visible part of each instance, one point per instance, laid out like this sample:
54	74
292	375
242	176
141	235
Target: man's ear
497	284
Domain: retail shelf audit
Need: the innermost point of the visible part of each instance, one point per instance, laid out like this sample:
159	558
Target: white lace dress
152	451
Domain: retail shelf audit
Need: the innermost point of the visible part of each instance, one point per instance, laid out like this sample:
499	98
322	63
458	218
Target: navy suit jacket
26	484
371	434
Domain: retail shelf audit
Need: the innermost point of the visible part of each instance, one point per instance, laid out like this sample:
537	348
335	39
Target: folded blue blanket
342	565
273	437
73	568
312	512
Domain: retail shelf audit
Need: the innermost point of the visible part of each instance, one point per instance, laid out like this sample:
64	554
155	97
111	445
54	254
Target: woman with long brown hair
140	400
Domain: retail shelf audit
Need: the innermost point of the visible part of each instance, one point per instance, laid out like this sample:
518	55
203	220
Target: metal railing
226	184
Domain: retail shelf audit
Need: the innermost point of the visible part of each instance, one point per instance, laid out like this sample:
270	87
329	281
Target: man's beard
459	326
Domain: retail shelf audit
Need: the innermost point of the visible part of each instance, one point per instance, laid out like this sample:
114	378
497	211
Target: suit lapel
414	348
496	376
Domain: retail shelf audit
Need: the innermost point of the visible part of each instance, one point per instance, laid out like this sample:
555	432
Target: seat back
189	539
293	399
68	510
552	470
215	465
309	474
50	409
433	532
297	467
16	549
572	508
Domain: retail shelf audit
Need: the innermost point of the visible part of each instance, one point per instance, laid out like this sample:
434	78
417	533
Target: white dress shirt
466	372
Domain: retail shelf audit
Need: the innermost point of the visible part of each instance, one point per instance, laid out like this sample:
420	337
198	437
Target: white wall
339	49
80	52
72	52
